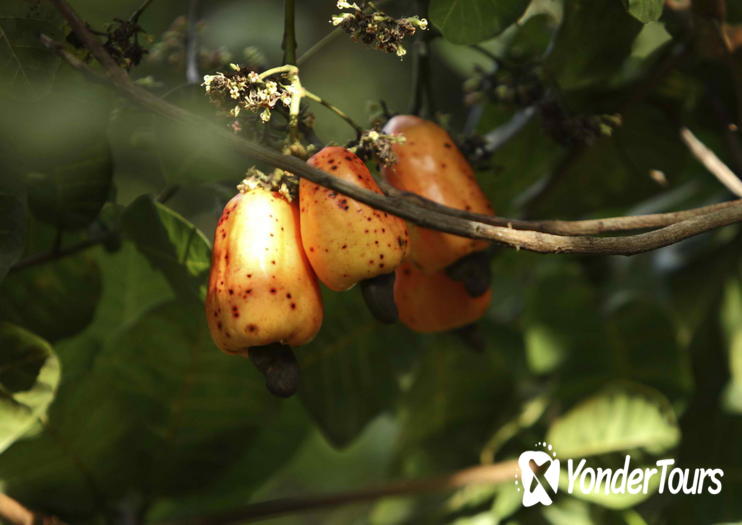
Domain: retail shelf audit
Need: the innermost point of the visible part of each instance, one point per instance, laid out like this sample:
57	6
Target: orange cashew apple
435	302
429	164
347	241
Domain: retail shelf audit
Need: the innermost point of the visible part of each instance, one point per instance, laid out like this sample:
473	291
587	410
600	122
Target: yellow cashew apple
262	289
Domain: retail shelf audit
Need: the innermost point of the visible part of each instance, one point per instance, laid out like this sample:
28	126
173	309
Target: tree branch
14	513
486	474
711	162
289	32
610	224
415	209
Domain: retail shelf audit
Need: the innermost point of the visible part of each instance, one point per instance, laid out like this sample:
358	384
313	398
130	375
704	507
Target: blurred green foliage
116	407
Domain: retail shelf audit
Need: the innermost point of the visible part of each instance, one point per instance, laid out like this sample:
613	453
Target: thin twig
193	75
289	32
431	215
486	53
60	253
136	14
339	112
71	59
167	193
319	45
487	474
711	162
428	108
418	94
502	134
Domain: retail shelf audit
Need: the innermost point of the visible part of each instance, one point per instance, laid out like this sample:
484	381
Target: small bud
343	4
419	23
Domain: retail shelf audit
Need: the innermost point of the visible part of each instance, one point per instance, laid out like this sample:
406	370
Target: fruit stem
297	91
339	112
289	69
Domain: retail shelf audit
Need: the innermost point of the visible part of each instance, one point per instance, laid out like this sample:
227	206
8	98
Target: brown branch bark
13	513
486	474
416	209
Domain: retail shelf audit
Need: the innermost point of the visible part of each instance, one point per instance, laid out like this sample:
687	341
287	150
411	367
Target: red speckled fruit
434	303
262	289
430	164
347	241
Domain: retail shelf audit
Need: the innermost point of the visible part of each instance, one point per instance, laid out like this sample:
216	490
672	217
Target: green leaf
349	373
533	38
570	511
158	408
622	418
636	326
12	230
71	195
274	445
473	21
519	169
645	10
29	375
85	429
192	409
27	68
454	392
171	243
560	317
594	40
55	300
130	287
